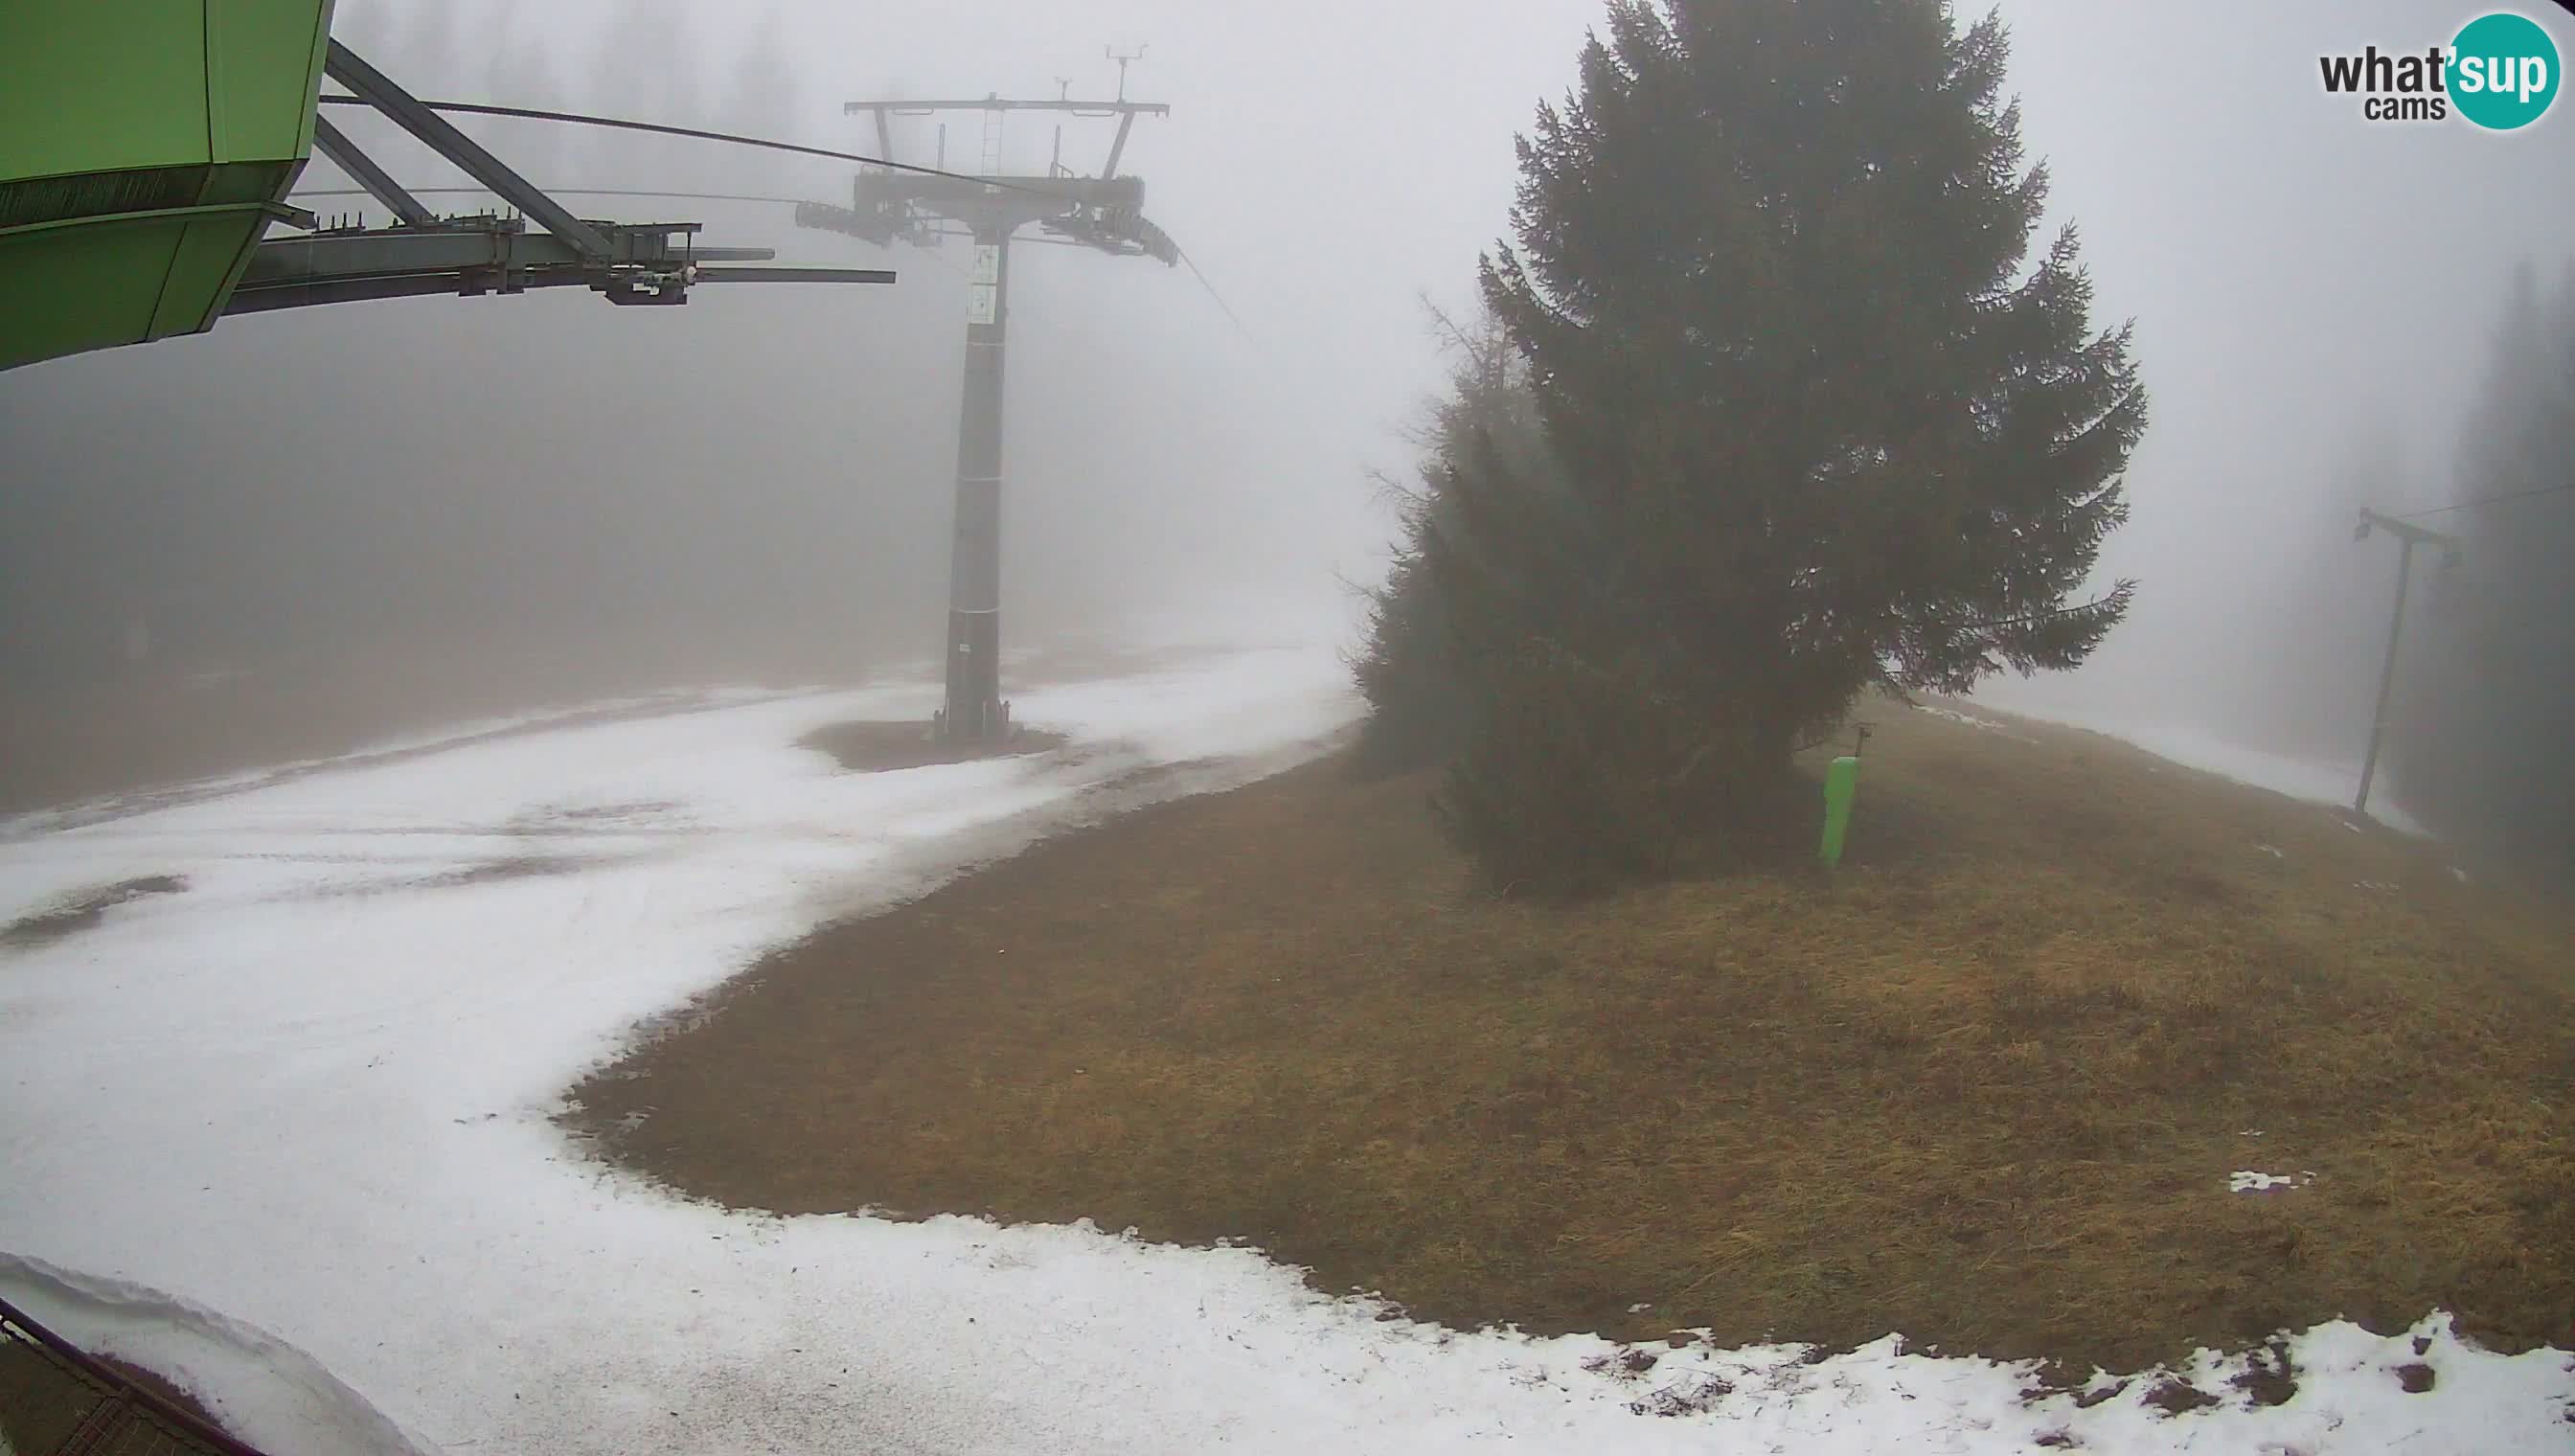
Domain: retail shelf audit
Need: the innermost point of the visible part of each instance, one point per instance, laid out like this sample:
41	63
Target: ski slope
285	1132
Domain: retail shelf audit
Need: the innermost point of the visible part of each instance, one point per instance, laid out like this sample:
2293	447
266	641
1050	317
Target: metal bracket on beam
2403	531
628	263
480	255
376	89
361	169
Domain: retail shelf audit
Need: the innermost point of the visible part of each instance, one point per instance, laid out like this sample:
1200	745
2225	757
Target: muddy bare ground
879	748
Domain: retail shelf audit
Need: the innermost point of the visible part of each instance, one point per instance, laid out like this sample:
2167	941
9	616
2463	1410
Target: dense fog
756	485
2478	735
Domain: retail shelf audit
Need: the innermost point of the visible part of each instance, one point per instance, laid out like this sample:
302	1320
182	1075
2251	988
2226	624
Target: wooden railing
58	1400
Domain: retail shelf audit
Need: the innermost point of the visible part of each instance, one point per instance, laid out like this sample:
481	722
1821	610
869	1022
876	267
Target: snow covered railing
68	1403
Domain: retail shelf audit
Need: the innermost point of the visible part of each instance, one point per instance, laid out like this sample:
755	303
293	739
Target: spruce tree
1418	712
1819	424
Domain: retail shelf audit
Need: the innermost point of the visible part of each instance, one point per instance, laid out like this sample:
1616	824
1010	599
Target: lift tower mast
2410	536
1104	212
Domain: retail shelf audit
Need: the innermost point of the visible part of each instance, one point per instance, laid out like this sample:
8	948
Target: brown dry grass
157	727
1983	1086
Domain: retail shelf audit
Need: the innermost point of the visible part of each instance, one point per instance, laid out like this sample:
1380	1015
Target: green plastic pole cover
1842	786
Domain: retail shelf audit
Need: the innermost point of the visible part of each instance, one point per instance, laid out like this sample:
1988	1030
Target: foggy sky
2312	296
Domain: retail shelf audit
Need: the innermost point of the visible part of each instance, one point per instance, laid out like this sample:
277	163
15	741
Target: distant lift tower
2410	536
1104	212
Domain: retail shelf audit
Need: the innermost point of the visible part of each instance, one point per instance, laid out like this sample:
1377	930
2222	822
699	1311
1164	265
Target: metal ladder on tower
993	143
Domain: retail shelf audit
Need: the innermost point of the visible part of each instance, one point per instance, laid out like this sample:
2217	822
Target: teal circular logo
2503	71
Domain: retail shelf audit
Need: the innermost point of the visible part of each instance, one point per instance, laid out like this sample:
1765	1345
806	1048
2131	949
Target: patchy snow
2274	850
292	1128
2252	1182
1971	721
2195	747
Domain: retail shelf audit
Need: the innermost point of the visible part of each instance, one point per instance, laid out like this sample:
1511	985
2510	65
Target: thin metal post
1117	148
2386	676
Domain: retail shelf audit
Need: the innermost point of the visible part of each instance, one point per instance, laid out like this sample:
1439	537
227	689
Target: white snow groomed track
301	1107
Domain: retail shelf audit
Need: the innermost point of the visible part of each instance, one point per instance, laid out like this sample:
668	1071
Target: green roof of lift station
144	147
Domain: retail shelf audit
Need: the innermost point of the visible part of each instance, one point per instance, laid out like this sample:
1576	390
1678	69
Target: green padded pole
1842	786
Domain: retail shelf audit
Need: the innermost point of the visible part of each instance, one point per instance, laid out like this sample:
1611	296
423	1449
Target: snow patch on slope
315	1092
2196	748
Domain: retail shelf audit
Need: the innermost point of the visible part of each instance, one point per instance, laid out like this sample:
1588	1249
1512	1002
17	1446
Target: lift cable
2487	501
1240	326
567	190
1192	264
529	113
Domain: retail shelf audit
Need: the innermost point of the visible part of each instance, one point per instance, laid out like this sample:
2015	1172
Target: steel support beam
467	244
1117	148
314	292
362	169
795	275
1104	212
299	293
474	241
384	253
2386	675
656	264
2410	536
376	89
1030	197
975	713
